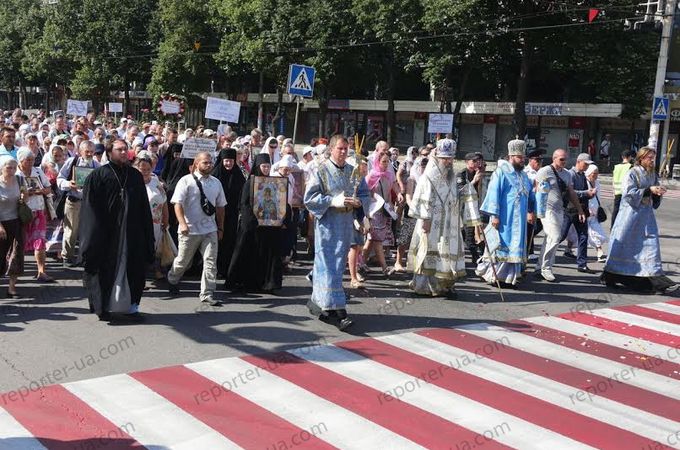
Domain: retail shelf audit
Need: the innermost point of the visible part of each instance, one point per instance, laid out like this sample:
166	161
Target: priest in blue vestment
333	192
510	203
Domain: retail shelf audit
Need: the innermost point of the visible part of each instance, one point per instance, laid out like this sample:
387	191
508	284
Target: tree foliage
509	50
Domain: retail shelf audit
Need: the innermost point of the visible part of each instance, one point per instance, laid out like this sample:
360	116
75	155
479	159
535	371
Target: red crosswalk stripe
579	380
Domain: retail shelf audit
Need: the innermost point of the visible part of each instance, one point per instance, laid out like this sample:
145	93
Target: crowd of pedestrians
122	201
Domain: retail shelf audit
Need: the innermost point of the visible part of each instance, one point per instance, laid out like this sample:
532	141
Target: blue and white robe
634	248
510	196
333	229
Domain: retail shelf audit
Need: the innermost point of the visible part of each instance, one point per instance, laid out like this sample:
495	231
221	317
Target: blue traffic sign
660	108
301	80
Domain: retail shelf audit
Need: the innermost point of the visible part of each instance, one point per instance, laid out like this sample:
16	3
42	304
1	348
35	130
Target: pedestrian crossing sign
301	80
660	108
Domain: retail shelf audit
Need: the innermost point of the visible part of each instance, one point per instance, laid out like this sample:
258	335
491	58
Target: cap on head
472	156
585	157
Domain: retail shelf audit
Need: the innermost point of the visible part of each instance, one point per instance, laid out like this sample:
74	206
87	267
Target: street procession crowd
124	202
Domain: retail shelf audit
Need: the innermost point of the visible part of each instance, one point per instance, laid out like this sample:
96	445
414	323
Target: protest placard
193	146
115	107
440	123
222	109
76	107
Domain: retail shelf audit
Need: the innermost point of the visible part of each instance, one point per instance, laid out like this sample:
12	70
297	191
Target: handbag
207	207
25	212
167	251
601	213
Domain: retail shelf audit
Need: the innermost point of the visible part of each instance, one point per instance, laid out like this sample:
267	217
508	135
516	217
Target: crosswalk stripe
669	357
449	405
13	436
586	345
249	425
343	429
156	422
665	307
53	414
595	407
432	430
633	319
405	353
651	313
633	331
643	390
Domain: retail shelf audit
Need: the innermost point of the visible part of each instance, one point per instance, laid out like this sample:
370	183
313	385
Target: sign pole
297	112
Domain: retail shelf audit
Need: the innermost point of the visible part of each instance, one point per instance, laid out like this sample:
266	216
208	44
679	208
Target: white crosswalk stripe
533	385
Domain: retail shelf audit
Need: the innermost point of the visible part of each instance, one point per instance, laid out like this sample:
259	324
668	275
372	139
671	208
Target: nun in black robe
256	262
232	183
116	239
174	169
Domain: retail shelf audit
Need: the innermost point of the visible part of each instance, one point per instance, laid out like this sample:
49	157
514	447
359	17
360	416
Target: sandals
44	278
356	284
388	272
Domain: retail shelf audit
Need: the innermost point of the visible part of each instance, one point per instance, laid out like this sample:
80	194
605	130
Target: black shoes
586	269
336	317
569	254
173	289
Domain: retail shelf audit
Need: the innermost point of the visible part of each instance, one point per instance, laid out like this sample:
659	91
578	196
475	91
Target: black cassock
232	183
256	263
106	221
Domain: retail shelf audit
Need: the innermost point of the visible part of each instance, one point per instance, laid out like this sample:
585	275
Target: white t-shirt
189	196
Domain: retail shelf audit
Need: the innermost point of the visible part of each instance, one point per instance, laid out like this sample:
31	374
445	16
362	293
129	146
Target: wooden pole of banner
297	113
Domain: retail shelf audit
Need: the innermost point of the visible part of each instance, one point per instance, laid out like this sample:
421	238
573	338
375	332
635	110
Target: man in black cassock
116	236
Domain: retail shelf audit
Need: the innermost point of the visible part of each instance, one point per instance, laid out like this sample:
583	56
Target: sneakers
548	276
211	302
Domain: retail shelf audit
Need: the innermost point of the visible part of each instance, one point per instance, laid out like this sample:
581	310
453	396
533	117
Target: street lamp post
662	63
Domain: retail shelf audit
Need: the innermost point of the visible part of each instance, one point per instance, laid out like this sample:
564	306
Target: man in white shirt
197	229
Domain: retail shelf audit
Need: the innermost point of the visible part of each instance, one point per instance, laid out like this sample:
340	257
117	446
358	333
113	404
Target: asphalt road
49	337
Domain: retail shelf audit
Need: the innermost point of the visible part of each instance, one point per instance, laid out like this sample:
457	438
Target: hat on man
99	149
445	148
472	156
535	153
517	147
585	157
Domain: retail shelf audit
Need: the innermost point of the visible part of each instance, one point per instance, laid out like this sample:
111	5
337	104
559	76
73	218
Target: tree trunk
260	102
22	95
462	89
391	119
520	117
279	109
126	98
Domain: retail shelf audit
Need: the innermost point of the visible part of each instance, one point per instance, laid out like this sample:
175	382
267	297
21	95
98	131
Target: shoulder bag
207	207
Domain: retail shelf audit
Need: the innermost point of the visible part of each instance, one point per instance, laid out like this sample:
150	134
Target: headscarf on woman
376	174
